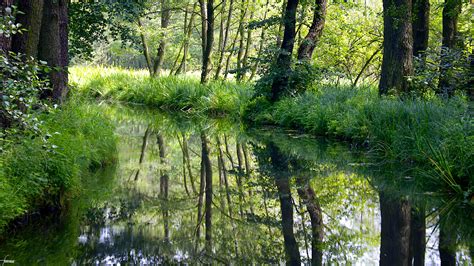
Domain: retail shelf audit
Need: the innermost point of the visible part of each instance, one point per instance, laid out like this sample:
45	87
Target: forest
297	132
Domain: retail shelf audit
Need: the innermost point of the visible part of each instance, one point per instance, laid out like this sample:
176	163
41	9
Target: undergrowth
40	171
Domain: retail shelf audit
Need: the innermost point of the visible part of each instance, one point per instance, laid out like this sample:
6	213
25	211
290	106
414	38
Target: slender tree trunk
451	11
397	63
165	21
207	13
260	46
182	65
30	19
365	66
146	50
245	60
241	32
283	62
421	23
305	51
53	46
226	37
395	231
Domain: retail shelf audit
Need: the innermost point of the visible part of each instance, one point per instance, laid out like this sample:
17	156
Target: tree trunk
260	46
226	37
283	63
395	231
31	18
421	23
5	41
305	51
451	11
165	21
53	46
397	61
189	30
146	50
207	13
241	33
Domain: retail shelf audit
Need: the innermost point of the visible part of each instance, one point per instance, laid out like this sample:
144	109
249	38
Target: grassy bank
170	93
434	133
45	170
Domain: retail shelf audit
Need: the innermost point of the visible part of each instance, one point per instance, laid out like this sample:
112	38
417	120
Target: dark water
207	191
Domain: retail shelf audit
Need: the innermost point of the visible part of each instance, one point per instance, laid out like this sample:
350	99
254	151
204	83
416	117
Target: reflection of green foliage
36	173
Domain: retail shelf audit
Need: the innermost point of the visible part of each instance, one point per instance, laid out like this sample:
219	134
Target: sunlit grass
171	93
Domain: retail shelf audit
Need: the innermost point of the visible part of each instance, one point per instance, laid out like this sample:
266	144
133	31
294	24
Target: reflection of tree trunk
447	245
208	173
247	173
395	231
227	151
187	161
309	198
142	153
291	246
164	185
239	177
418	235
284	193
224	173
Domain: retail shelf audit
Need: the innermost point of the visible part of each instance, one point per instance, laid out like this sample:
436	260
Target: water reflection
208	192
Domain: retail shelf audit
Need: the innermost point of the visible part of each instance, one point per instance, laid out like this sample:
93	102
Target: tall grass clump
170	93
40	171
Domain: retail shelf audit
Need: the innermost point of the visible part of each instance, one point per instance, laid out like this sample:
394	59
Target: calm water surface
269	197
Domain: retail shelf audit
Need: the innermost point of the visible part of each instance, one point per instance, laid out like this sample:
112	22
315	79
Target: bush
42	171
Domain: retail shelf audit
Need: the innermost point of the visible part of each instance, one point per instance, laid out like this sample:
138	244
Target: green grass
35	173
436	134
170	93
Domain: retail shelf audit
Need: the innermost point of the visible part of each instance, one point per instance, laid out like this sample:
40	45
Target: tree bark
421	23
226	37
305	51
5	41
182	65
31	18
53	46
207	13
283	62
397	61
451	11
165	21
395	231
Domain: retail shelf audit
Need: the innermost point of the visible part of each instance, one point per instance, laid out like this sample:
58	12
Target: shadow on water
207	191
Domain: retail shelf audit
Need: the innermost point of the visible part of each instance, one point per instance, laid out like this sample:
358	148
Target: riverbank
437	134
46	170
